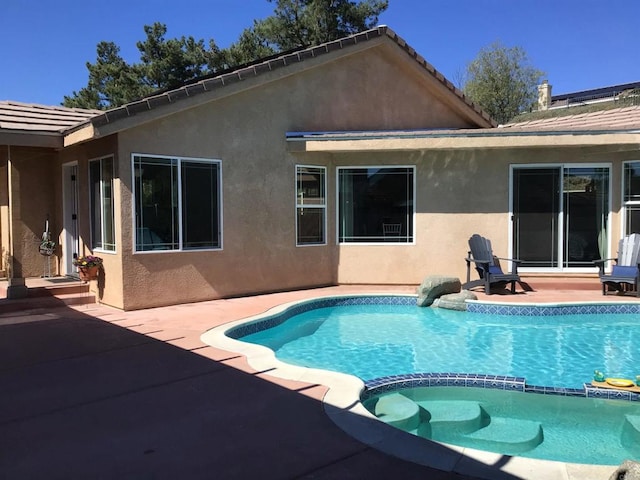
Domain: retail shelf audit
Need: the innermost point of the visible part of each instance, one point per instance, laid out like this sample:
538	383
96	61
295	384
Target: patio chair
391	229
624	274
488	267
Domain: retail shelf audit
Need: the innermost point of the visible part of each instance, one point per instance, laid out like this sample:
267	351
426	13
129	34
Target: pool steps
398	411
507	435
444	418
631	434
455	420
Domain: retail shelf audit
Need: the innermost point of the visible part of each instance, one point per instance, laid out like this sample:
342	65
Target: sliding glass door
536	215
560	216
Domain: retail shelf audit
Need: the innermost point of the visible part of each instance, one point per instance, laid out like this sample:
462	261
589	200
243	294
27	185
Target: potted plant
88	267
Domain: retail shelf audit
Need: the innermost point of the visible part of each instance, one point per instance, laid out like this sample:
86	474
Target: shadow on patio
84	398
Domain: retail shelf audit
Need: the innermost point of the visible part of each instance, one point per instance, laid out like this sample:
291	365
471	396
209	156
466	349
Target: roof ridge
267	64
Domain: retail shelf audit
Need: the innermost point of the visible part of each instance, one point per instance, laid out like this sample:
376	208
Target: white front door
70	237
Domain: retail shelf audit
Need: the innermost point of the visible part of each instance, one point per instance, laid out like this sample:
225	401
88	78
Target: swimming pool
373	340
300	322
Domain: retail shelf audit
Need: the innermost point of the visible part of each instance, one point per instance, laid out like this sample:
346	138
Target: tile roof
32	118
616	119
255	69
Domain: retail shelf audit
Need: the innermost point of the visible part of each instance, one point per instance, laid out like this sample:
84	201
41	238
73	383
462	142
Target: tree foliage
111	81
502	81
249	47
166	64
303	23
163	64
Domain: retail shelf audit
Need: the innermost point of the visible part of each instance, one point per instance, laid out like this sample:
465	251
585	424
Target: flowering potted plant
88	267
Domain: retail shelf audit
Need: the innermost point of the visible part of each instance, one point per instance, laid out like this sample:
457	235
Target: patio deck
94	392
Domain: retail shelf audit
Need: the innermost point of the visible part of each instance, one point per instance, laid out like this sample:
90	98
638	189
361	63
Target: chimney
544	95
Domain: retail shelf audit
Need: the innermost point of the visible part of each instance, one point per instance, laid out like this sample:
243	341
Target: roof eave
80	134
29	138
452	140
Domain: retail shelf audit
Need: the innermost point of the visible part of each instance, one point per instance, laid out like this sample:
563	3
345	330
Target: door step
47	293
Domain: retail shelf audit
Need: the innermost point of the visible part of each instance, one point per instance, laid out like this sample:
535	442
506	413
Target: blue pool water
384	340
372	341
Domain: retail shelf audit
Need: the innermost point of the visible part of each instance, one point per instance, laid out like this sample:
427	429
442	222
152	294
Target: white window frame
322	206
179	159
561	224
113	199
627	205
413	213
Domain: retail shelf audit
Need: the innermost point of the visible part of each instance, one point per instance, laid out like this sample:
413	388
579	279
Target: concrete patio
94	392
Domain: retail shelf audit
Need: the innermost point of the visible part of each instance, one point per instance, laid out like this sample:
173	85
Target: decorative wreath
47	247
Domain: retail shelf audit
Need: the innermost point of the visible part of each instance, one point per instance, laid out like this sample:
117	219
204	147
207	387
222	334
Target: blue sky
44	45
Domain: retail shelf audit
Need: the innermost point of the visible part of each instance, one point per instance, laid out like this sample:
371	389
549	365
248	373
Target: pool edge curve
342	404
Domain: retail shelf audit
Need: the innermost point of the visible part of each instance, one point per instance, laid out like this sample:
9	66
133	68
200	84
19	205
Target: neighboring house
602	95
350	162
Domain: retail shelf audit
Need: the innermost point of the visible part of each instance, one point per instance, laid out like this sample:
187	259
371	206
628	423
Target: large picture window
376	204
310	205
102	204
631	200
177	203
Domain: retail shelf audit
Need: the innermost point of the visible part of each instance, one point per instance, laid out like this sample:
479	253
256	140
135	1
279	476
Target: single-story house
350	162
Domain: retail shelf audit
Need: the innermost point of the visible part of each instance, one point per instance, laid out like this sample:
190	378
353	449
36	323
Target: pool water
569	429
372	341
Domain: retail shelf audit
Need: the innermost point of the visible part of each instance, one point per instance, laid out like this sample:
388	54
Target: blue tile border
391	383
472	307
396	382
379	386
548	310
275	320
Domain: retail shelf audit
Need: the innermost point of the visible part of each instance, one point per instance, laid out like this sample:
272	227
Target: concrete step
46	293
563	283
45	302
57	290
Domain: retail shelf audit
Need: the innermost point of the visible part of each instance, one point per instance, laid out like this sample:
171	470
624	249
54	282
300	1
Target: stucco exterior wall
459	193
246	132
108	287
30	172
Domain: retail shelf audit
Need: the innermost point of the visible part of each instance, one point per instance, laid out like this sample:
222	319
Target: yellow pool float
620	382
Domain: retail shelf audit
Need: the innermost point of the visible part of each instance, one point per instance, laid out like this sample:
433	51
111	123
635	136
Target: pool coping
342	404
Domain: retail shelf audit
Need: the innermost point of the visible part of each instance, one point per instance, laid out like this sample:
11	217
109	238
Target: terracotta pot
88	273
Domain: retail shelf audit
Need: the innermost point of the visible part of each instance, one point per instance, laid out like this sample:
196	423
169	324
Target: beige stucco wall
459	193
30	171
246	132
108	287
